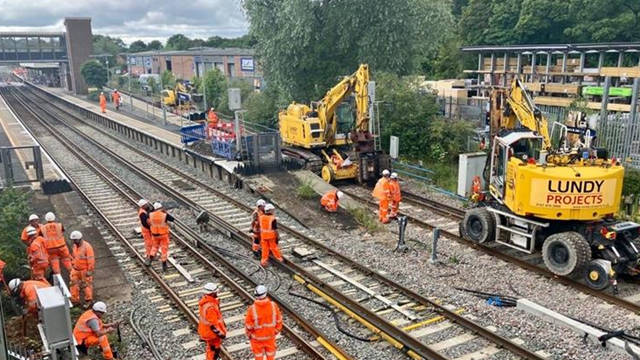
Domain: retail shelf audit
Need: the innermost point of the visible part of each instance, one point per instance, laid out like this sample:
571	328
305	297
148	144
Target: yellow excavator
325	136
554	194
181	97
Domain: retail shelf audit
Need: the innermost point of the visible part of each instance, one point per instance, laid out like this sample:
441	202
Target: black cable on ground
492	299
278	280
138	331
335	314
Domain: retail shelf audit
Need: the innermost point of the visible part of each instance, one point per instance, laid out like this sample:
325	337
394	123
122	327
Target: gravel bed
420	188
467	268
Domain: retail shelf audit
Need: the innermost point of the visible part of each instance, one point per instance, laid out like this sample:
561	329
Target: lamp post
164	111
204	88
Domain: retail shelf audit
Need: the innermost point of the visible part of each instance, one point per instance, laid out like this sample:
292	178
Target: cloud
130	20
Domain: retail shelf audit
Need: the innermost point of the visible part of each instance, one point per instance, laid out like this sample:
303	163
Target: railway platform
13	133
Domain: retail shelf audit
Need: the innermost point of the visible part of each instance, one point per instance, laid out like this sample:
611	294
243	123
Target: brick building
187	64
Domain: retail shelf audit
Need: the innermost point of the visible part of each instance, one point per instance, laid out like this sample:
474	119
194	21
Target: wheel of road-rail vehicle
327	174
597	274
479	225
566	253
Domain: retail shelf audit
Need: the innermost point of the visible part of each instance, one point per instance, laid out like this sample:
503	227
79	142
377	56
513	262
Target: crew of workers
154	226
263	322
46	248
389	195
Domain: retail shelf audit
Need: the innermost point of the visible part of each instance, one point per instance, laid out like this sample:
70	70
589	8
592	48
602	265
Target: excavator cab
521	147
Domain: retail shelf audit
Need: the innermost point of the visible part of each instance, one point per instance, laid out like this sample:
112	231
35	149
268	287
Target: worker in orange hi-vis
158	223
53	234
213	118
2	265
211	326
37	255
382	193
26	293
262	324
91	331
330	200
34	221
269	236
103	103
84	263
396	195
145	208
116	98
255	227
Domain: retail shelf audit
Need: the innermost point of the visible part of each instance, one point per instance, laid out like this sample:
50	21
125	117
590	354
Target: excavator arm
524	111
326	107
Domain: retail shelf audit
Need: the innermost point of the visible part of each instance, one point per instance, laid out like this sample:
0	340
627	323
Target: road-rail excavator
554	194
317	134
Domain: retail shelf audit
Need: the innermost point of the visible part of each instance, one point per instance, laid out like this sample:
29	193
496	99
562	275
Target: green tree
245	41
94	73
137	46
305	45
245	87
178	42
543	21
14	210
107	45
168	79
215	85
262	109
154	45
604	20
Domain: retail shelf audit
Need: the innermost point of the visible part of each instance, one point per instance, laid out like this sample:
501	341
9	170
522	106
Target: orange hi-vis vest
82	330
255	221
266	227
53	235
210	315
83	257
37	253
29	294
24	237
263	321
330	199
158	223
381	191
142	228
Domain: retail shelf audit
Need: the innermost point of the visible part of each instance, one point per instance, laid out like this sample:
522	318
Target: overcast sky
129	19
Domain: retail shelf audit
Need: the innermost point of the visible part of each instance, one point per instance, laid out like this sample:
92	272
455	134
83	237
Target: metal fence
20	165
471	109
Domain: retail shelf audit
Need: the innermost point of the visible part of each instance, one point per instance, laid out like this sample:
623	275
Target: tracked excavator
555	194
325	136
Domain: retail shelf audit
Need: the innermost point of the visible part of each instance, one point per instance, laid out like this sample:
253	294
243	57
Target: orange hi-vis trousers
383	211
57	254
37	272
160	242
104	345
270	246
148	242
80	280
262	348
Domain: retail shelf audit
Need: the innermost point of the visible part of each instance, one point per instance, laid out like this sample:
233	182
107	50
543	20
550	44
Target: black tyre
479	225
597	274
566	253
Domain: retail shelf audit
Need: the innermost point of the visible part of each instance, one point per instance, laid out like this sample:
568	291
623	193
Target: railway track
115	203
429	214
409	321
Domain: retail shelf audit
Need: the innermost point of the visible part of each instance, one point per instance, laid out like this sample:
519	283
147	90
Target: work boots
164	266
148	261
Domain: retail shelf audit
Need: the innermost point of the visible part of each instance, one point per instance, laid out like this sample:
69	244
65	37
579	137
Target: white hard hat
340	194
76	235
157	206
269	207
210	288
100	306
261	203
385	172
50	216
31	231
394	175
261	291
33	217
142	202
13	284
